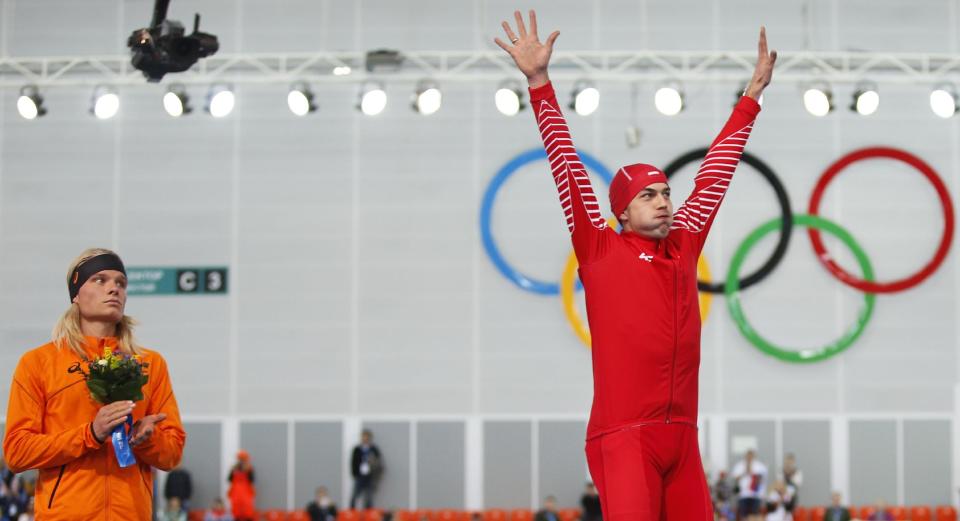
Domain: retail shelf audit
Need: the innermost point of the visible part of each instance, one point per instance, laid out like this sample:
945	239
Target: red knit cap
629	181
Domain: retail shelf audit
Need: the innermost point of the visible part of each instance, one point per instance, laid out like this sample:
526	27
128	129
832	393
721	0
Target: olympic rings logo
732	284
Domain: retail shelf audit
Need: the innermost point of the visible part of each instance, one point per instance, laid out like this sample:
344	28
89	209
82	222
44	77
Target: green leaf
98	390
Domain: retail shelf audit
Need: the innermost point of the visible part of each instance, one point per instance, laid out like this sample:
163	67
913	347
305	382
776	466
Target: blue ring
486	208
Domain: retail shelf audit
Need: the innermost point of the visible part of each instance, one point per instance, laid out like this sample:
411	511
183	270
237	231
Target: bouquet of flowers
113	377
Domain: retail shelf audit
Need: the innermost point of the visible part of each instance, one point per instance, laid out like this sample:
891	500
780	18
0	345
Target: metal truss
481	66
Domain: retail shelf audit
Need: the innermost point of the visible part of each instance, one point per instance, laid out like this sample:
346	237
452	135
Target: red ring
923	168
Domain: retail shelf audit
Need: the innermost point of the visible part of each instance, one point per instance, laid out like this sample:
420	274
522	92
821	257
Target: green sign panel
177	281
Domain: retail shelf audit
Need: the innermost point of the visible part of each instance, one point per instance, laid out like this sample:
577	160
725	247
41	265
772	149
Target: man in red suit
641	293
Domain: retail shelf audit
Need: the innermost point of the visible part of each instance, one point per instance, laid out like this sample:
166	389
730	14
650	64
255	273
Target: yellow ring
573	316
566	294
705	297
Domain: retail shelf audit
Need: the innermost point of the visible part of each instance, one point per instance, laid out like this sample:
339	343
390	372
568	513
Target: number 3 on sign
216	281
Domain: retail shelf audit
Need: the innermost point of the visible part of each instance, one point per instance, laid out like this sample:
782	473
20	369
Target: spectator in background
836	511
16	495
750	476
590	504
722	492
7	494
322	508
242	493
366	463
6	475
881	513
777	500
549	511
174	511
217	512
725	513
27	514
27	492
7	497
793	477
178	485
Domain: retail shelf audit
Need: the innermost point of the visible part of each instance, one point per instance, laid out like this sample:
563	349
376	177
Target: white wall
359	285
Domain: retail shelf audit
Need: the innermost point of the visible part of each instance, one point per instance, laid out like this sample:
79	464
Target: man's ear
623	216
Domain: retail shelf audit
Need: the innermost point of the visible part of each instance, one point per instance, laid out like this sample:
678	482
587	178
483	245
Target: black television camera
163	48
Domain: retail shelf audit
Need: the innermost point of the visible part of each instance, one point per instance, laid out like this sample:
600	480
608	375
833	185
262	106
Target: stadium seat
407	515
521	514
442	515
196	514
818	514
569	514
348	515
274	515
495	515
449	515
297	515
863	512
372	514
801	514
898	513
921	513
946	513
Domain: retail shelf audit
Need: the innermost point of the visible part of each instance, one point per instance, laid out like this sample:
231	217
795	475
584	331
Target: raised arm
588	230
697	213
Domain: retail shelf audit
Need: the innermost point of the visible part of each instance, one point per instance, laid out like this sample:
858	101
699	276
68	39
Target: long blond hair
67	332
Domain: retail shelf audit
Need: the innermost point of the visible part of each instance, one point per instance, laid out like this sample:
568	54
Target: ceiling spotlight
220	100
342	70
669	100
30	103
428	98
509	98
818	100
586	98
300	99
106	102
866	99
943	101
373	99
176	102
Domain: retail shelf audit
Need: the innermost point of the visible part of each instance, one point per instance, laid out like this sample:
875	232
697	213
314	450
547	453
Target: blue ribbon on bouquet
121	443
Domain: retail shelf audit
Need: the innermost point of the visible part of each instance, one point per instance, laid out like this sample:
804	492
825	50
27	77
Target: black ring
786	215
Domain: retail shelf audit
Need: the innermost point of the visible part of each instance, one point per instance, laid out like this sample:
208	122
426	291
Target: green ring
797	355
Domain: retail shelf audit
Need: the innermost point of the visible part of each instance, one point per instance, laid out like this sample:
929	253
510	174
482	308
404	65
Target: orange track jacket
49	428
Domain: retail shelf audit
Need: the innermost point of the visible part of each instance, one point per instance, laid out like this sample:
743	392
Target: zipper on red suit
673	360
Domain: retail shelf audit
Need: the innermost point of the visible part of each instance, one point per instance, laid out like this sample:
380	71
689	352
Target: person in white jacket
750	475
778	501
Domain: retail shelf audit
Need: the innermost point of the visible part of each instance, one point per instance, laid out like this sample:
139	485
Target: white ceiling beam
493	66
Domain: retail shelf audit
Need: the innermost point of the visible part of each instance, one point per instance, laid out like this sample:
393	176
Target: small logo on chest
645	257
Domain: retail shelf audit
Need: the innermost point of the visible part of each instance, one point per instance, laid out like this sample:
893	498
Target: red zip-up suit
644	318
